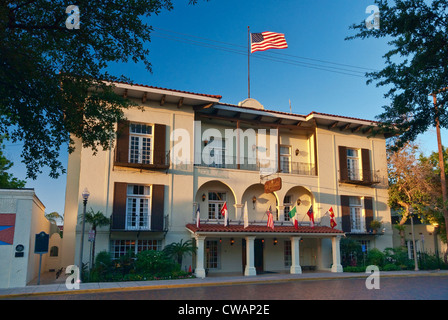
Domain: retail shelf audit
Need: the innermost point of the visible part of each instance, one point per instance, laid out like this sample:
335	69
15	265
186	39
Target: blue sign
41	243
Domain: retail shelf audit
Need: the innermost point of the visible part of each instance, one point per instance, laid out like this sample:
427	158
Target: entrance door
258	255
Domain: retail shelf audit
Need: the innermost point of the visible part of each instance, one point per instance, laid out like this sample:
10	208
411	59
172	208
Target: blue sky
193	49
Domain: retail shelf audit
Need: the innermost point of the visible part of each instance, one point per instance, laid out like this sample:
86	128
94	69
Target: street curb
210	284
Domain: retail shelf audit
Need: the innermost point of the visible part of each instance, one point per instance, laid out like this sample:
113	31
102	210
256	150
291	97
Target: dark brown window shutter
157	207
119	206
122	149
159	144
365	159
368	207
345	204
343	170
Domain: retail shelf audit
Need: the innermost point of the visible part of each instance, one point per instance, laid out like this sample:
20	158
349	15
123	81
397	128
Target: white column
239	212
280	213
250	257
295	256
200	271
335	243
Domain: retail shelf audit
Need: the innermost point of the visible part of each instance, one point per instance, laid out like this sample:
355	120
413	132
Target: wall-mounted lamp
203	197
297	152
275	241
254	199
232	241
205	142
299	202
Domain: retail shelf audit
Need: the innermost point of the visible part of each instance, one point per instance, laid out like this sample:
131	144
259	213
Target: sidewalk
50	285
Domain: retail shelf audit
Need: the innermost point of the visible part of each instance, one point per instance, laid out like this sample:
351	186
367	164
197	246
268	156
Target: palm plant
177	250
96	219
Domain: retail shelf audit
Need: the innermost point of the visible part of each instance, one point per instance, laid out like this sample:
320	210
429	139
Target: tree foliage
7	180
416	65
47	72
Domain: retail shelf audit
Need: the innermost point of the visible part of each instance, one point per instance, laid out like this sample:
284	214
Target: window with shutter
141	145
138	207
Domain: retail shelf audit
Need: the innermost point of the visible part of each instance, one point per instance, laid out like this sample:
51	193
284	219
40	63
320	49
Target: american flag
267	40
270	219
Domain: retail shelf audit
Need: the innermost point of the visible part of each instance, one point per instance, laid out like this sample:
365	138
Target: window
138	208
287	253
353	164
54	251
217	156
122	247
287	203
285	159
215	202
140	143
357	224
212	254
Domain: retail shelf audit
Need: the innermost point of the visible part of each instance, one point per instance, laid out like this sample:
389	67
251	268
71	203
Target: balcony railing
362	177
158	160
251	164
139	223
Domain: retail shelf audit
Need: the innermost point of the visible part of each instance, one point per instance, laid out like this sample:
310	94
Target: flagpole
248	61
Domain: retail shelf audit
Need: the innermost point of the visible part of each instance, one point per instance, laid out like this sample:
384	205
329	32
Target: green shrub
391	267
354	269
375	257
154	263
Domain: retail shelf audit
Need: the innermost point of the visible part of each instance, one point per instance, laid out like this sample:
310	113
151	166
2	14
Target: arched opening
210	199
302	199
258	203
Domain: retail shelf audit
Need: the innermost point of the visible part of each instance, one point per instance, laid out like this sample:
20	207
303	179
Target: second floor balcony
253	164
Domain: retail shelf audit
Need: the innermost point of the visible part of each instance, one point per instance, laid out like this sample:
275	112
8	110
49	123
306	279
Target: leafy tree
7	180
416	68
96	219
54	86
413	187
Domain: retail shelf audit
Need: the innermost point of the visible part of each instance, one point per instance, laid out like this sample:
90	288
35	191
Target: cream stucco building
186	155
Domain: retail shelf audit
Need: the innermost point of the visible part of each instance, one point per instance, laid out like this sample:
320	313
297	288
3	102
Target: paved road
396	288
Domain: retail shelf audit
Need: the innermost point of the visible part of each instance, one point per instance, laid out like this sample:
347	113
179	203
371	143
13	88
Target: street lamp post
411	211
85	197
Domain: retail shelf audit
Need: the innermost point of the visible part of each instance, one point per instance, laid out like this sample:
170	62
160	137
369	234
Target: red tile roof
173	90
260	229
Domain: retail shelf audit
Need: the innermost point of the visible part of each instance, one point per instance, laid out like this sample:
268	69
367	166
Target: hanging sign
273	185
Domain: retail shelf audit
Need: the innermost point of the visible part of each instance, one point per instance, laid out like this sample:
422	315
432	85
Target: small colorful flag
225	214
198	216
310	214
267	40
332	221
292	215
331	212
246	216
270	219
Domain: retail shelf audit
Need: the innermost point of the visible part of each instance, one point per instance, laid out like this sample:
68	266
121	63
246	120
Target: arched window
54	251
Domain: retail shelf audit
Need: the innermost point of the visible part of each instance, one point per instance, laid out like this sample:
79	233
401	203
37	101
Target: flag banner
292	215
267	40
331	212
224	213
310	214
246	216
198	220
270	219
333	223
